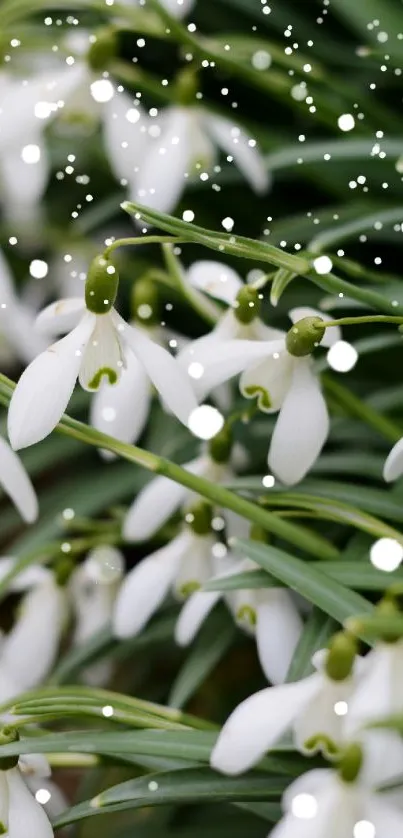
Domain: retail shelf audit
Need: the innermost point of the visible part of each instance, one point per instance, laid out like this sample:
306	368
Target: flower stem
356	407
370	318
312	542
135	240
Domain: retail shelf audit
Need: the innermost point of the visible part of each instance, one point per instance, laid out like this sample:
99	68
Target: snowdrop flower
279	373
183	565
185	146
123	409
241	320
313	708
17	322
268	614
95	349
323	803
29	650
16	483
177	8
393	468
378	694
93	590
20	813
162	497
70	90
36	773
25	108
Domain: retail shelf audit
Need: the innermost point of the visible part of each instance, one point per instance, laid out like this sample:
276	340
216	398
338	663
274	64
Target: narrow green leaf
359	575
317	631
214	640
334	599
200	785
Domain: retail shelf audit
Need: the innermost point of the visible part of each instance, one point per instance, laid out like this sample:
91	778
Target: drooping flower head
95	351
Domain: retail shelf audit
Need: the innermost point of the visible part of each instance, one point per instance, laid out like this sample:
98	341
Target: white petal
193	614
386	818
18	103
57	802
26	816
17	324
4	803
196	566
332	334
315	783
377	693
178	8
33	575
165	373
157	502
301	428
16	483
44	389
24	183
278	629
126	136
103	358
145	588
216	279
383	757
61	316
320	717
30	649
222	360
161	177
9	688
34	765
122	410
258	723
236	142
393	467
16	319
269	381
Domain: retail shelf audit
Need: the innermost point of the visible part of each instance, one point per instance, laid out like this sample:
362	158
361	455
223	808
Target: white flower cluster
332	712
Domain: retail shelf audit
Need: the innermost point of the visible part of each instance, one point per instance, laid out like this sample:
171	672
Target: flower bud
101	286
186	84
220	445
350	763
341	656
199	518
8	735
247	305
305	336
103	49
145	302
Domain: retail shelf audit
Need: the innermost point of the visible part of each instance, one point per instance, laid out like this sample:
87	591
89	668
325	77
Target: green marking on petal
247	615
321	743
262	395
104	371
3	829
189	588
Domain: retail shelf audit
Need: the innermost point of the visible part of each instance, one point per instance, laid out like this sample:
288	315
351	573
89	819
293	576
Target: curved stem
317	545
136	240
370	318
356	407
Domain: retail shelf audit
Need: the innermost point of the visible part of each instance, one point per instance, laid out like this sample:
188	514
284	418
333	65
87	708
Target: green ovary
189	588
104	371
256	390
246	615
